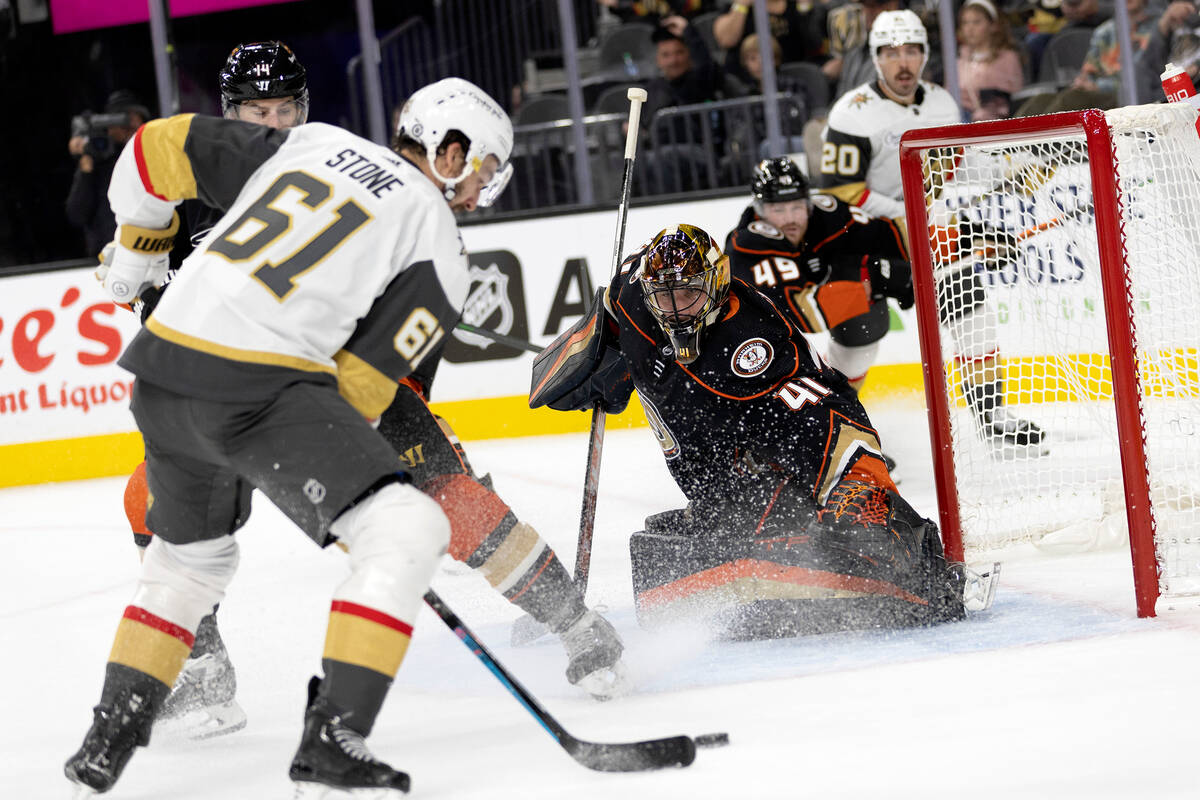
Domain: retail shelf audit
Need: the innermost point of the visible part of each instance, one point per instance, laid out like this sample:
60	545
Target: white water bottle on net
1057	266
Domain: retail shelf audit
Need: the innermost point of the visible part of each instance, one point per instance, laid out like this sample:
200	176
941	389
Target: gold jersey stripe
161	160
365	388
234	353
851	193
353	639
154	652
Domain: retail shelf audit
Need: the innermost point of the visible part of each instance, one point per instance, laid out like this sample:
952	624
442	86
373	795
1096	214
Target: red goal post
1075	232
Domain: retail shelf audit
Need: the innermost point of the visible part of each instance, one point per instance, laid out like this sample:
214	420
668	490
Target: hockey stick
591	480
526	629
496	336
673	751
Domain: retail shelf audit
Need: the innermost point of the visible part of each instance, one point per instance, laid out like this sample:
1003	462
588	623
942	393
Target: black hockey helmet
778	180
263	70
685	282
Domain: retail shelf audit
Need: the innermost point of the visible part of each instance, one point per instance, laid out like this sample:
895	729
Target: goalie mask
453	104
685	282
895	29
263	71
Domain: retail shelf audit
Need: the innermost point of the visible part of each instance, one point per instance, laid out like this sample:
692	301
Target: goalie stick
526	629
672	751
587	516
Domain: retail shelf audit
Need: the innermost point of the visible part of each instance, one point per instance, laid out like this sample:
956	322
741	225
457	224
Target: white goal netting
1013	240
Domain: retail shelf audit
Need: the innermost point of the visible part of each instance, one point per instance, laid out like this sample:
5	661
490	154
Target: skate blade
306	790
202	723
980	588
81	792
607	683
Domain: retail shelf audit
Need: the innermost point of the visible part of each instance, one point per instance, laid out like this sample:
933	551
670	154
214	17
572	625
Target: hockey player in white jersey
335	272
860	164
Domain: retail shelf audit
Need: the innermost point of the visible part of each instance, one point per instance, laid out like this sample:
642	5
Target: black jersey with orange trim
758	412
834	252
336	260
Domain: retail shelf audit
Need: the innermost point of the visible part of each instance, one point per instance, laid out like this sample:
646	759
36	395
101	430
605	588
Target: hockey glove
993	247
135	259
891	278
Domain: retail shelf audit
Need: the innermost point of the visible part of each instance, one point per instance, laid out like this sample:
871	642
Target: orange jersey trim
717	577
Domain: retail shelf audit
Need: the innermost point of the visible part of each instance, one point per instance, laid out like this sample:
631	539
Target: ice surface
1057	691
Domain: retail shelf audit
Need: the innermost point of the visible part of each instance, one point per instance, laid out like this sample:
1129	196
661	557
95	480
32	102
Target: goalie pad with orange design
864	560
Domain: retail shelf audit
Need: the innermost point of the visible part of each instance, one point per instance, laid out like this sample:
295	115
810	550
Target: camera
89	124
95	128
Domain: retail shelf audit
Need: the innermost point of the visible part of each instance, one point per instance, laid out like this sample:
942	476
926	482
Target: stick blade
674	751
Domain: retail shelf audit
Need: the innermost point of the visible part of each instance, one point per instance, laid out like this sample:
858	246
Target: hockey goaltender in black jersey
793	524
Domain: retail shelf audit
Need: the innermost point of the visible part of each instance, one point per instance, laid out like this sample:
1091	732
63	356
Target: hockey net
1074	238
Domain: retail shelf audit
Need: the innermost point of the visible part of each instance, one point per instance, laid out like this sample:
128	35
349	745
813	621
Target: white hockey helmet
896	28
453	104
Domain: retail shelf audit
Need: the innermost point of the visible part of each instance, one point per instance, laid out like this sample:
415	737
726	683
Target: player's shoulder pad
750	351
857	111
760	227
939	106
826	203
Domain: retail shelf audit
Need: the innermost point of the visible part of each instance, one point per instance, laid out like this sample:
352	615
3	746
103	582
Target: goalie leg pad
869	561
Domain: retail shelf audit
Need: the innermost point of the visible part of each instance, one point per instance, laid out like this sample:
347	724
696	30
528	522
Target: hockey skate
202	703
333	762
116	730
594	657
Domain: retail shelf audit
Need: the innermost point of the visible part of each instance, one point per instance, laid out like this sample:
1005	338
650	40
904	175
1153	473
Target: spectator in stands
1099	78
989	66
96	153
798	27
1185	52
687	75
1172	39
655	10
750	58
1050	17
748	131
850	63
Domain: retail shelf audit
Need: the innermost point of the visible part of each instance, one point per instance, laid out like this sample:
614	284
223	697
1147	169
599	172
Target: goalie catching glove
137	258
581	367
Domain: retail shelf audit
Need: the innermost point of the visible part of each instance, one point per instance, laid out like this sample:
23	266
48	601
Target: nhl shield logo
752	357
314	490
489	295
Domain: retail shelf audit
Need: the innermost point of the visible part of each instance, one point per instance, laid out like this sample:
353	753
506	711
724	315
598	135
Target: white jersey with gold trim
330	243
860	160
